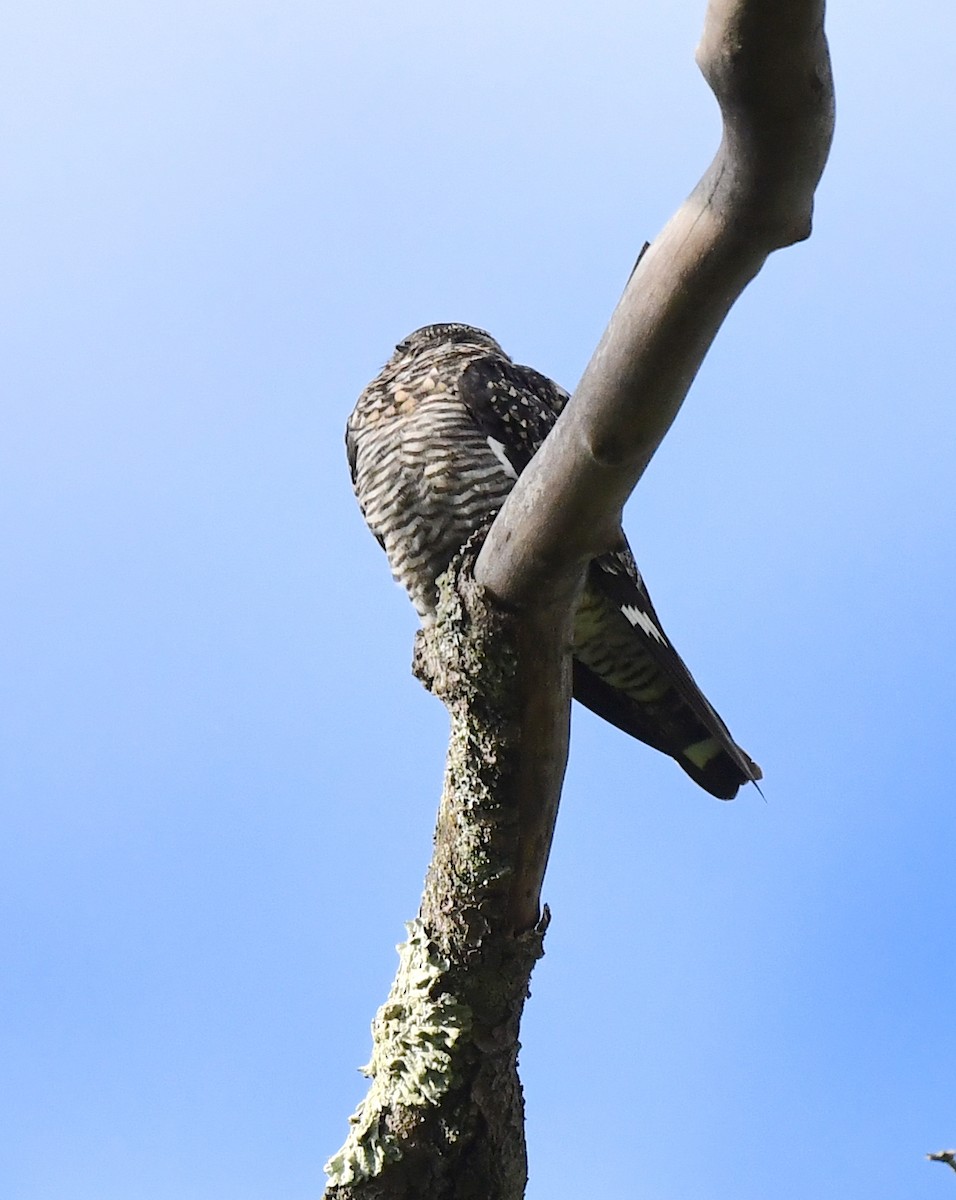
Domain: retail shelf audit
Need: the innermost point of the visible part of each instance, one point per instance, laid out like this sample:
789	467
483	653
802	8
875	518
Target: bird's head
446	334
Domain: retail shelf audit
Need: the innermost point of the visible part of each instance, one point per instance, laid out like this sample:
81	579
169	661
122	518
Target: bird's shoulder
443	368
512	405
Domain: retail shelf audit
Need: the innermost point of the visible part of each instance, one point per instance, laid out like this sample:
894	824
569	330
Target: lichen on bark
444	1115
412	1064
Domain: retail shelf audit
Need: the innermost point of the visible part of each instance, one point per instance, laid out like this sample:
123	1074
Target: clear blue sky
217	776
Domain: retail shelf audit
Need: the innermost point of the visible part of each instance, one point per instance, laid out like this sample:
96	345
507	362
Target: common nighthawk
435	444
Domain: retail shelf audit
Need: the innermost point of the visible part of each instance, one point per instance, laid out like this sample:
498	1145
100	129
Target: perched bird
435	444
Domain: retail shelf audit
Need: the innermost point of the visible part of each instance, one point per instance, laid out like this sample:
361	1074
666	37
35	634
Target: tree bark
443	1118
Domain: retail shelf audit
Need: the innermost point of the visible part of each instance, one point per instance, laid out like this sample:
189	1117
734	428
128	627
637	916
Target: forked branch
443	1117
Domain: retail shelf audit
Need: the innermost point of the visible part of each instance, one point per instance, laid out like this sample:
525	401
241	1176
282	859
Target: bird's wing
351	451
625	668
514	407
628	672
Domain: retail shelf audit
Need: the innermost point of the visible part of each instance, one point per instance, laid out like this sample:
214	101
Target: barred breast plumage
435	444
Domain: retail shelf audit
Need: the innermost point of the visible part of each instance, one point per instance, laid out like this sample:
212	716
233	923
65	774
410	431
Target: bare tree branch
768	64
443	1117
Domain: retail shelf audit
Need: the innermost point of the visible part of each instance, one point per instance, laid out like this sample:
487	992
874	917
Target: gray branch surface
443	1118
768	65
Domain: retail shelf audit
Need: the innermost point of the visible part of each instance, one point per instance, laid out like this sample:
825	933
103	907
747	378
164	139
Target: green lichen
412	1066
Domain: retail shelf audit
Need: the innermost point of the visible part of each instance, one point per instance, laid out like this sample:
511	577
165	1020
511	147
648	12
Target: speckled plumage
435	444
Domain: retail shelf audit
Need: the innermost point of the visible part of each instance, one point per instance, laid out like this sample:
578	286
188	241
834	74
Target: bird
434	444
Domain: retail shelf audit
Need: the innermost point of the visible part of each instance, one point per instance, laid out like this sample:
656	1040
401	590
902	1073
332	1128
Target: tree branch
768	65
443	1117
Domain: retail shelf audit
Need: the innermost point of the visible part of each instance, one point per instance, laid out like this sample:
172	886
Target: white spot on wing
498	450
639	618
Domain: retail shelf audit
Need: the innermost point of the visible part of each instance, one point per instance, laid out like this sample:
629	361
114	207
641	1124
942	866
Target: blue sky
217	776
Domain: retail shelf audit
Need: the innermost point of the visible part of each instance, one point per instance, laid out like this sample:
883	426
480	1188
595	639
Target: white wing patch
639	618
498	450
